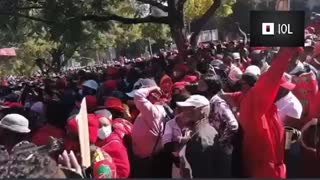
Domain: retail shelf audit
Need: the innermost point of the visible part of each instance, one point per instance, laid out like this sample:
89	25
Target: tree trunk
176	24
57	59
179	37
199	23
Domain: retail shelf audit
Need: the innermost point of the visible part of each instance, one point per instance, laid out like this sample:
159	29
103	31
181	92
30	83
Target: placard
82	119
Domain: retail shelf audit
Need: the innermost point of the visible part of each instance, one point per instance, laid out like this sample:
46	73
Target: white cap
195	101
235	74
105	113
257	51
15	123
236	55
254	70
141	83
308	43
91	84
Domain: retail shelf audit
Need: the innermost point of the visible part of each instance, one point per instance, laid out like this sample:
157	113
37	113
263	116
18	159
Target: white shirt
290	106
171	132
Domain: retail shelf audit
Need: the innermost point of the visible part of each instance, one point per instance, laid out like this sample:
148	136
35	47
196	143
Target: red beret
114	104
190	79
259	48
182	67
93	123
61	83
179	85
10	105
111	71
91	103
111	85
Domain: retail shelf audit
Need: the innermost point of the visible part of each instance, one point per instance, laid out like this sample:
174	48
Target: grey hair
205	111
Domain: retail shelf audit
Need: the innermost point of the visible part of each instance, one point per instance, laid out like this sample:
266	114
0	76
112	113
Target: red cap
10	105
61	83
93	123
111	71
114	103
182	67
286	82
300	49
111	85
179	85
91	103
259	48
190	79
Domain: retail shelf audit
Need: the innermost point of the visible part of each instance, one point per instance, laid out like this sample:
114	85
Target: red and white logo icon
267	28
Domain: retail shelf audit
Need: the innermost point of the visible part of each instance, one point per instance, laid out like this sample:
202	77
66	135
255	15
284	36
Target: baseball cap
253	70
141	83
91	84
196	101
308	43
15	123
236	55
235	74
104	113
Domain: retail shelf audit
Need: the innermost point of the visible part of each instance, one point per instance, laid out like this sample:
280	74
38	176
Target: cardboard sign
82	119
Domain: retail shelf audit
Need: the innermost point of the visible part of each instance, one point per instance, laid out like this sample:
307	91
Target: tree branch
124	20
26	17
30	7
181	4
199	23
155	4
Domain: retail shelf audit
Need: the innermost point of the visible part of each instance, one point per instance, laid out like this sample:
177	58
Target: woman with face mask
111	142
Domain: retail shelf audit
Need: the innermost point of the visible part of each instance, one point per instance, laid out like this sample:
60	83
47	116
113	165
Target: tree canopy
58	29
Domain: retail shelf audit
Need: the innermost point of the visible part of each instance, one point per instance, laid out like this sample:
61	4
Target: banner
283	5
82	119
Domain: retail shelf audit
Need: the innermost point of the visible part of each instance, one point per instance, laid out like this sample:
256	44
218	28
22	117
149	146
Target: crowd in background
223	110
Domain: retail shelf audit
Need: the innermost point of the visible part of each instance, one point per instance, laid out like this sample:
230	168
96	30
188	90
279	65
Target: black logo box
294	18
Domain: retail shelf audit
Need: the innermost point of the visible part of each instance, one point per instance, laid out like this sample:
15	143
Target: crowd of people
224	110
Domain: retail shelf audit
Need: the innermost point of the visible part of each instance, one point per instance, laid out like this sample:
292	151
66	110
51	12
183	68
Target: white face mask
104	132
